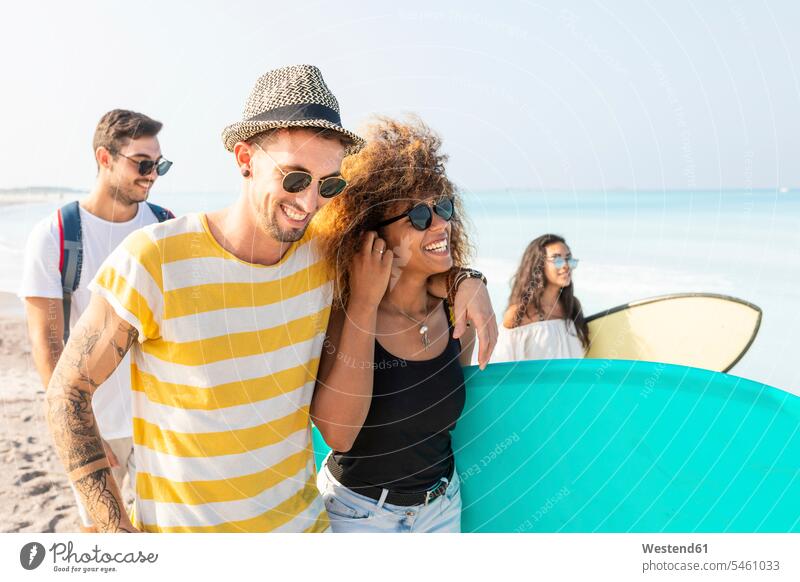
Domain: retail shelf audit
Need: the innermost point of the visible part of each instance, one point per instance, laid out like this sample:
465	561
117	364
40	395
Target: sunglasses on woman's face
162	165
559	262
297	181
421	215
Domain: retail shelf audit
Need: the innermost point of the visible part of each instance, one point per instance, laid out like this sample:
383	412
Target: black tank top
405	443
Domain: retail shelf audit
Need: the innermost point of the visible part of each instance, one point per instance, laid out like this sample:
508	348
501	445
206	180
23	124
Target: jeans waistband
404	499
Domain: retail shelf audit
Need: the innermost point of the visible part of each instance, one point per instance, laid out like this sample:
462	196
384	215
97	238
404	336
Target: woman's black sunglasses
421	215
162	165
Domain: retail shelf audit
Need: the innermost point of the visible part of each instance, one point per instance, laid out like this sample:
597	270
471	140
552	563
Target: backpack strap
162	214
71	259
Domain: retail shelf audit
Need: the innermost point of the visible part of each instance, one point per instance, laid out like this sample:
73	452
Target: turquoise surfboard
624	446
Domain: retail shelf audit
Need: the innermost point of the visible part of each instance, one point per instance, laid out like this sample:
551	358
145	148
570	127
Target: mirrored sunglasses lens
420	216
163	167
573	264
295	182
330	187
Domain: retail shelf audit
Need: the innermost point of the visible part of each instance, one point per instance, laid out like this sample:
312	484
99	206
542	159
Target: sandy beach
34	494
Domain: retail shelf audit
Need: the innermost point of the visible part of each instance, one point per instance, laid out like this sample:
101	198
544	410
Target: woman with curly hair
388	397
544	319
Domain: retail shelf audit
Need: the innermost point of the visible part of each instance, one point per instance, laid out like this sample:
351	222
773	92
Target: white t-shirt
553	339
41	278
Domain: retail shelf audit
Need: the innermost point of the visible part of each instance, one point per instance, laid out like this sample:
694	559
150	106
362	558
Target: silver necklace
423	326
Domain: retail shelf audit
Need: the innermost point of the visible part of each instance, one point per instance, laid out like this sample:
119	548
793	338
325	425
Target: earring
245	172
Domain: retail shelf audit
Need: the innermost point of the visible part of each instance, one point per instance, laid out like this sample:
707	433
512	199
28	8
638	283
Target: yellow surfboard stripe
212	444
223	395
164	490
267	521
238	345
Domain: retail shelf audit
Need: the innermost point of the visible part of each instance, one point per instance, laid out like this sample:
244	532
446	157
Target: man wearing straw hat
225	316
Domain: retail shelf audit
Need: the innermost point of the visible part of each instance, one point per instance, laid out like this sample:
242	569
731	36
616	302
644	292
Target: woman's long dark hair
529	282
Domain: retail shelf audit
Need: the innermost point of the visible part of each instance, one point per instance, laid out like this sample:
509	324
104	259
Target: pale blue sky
586	95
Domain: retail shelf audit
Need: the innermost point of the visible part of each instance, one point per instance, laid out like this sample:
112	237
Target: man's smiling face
130	187
281	214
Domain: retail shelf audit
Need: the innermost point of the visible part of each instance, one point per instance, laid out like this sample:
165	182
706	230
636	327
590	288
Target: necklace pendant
423	331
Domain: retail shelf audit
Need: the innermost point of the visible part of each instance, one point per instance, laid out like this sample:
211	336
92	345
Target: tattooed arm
45	317
95	348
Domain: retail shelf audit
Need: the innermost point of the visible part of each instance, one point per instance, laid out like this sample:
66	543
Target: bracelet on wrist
455	278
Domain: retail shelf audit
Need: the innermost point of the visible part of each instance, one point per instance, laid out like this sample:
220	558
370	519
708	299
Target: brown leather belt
403	499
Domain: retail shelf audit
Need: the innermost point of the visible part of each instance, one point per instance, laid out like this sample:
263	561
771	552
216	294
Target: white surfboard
702	330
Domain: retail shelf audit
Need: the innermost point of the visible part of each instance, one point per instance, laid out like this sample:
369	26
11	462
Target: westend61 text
670	549
64	553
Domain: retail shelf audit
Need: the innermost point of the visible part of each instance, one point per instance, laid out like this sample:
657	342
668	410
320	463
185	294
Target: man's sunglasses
297	181
162	165
421	215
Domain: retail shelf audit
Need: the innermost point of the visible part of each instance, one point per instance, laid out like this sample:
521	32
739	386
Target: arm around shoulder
467	340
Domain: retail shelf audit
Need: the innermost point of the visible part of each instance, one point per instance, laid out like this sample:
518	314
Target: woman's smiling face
422	251
554	276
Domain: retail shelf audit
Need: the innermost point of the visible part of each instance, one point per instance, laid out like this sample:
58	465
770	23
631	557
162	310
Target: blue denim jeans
350	512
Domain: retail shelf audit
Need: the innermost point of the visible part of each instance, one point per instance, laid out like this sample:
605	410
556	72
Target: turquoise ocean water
631	245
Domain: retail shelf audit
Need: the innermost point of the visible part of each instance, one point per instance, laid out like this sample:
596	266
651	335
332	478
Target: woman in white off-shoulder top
544	319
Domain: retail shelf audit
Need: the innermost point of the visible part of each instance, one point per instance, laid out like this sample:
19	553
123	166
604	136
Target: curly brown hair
400	166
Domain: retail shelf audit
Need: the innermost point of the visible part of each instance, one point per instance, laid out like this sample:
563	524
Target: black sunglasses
162	165
297	181
421	215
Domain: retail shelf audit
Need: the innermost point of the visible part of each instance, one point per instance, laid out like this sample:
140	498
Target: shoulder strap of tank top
451	316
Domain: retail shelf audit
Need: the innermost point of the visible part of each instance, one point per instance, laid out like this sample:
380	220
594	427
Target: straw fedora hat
294	96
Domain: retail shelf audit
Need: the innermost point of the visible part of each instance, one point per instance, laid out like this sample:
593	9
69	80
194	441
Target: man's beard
127	196
271	226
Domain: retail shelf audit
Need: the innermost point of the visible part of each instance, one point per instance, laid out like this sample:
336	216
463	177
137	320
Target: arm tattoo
72	423
80	353
100	501
132	334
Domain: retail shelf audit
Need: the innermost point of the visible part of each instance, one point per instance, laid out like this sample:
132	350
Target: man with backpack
65	250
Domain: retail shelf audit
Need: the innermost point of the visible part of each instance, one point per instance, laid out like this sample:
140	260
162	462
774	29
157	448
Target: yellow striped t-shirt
222	379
